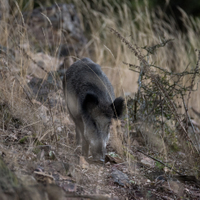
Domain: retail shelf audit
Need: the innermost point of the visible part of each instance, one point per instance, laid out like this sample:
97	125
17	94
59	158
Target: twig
155	79
188	118
152	49
193	78
160	162
164	70
53	124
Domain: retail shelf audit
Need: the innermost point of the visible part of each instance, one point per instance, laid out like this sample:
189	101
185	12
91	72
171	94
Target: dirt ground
57	161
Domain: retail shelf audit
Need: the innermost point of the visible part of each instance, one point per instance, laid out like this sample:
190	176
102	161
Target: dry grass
146	29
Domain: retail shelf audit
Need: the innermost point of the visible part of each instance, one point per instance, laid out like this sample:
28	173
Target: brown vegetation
158	137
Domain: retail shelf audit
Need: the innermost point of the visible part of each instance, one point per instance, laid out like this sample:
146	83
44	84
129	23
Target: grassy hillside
159	132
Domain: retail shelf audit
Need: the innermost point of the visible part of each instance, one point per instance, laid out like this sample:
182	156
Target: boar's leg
79	130
85	146
80	137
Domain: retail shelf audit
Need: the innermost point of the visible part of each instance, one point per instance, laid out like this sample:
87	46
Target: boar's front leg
80	139
79	130
85	147
78	136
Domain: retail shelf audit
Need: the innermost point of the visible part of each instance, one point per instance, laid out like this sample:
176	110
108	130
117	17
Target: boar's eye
94	124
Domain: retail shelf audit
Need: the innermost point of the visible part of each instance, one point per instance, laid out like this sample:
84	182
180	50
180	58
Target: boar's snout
98	150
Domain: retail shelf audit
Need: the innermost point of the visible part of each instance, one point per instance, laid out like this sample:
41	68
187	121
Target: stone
120	178
58	25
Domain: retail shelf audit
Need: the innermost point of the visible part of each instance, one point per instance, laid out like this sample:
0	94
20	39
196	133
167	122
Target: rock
42	89
113	158
46	87
42	60
58	24
148	161
120	178
43	113
69	186
175	186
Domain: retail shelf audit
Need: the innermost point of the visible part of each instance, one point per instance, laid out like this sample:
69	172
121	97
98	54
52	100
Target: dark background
170	7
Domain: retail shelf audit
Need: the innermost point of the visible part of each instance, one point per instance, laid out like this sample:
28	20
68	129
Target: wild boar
91	103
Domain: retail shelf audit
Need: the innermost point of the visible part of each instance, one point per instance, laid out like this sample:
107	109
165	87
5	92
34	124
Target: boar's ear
117	107
90	101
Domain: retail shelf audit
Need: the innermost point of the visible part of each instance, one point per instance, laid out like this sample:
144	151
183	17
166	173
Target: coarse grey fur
91	103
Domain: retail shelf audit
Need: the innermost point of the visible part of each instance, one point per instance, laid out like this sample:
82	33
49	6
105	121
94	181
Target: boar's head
97	116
